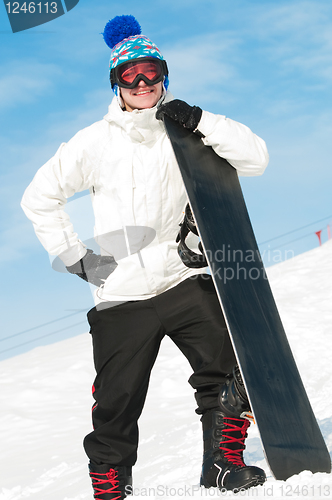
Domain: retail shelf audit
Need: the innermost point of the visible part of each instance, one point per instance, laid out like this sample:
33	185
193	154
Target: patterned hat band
133	48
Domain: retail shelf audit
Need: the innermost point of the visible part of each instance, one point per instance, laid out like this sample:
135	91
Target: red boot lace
104	478
234	456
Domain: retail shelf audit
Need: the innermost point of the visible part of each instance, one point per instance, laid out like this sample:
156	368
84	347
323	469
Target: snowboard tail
289	431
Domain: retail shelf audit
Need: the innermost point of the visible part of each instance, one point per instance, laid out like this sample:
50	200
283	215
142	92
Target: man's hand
93	268
180	111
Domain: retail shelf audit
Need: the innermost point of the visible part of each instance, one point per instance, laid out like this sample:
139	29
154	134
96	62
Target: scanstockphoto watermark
237	272
164	491
227	254
228	264
24	15
266	491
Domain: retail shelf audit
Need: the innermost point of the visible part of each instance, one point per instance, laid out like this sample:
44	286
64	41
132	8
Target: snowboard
289	432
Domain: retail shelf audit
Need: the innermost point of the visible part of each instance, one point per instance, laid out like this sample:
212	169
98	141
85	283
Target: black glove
180	111
93	268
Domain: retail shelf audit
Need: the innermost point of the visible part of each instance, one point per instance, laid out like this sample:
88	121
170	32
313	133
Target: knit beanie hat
123	35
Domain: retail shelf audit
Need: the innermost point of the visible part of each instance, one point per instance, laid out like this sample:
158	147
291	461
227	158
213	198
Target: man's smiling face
142	97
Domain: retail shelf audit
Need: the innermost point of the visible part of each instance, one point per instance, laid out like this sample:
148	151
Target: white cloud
17	240
204	72
93	107
24	81
296	36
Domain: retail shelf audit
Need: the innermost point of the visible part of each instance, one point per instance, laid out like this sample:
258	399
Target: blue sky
266	64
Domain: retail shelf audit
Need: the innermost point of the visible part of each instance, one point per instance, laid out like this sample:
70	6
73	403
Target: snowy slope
45	401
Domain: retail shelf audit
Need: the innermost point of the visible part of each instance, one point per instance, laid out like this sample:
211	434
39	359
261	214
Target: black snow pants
126	340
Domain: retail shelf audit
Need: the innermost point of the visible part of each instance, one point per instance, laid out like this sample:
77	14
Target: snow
46	400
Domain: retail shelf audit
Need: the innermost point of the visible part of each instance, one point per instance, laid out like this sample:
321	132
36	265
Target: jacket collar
140	124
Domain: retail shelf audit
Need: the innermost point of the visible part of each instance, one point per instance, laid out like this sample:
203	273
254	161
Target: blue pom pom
119	28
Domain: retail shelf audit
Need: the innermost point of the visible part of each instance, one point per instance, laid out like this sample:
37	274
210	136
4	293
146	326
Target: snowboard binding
233	399
188	256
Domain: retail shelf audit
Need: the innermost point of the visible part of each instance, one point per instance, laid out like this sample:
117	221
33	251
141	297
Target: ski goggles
149	69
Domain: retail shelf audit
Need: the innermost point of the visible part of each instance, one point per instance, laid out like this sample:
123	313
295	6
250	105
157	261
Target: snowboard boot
224	434
110	482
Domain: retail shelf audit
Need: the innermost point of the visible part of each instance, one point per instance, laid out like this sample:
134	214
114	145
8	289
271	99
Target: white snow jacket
138	196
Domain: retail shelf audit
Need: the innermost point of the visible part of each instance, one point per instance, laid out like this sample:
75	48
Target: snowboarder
143	294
